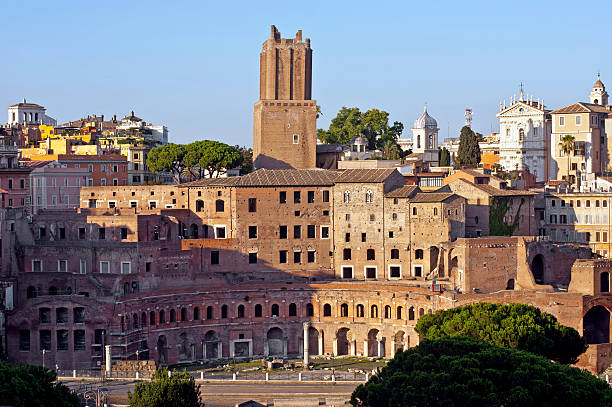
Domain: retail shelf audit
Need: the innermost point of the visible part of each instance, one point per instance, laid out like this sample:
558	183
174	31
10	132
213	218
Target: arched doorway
162	349
313	341
186	347
399	341
596	325
211	345
343	343
373	343
434	253
275	342
537	268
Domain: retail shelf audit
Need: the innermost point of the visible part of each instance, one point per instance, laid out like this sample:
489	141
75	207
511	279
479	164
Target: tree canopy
517	326
469	150
460	371
373	125
29	385
199	159
178	390
444	157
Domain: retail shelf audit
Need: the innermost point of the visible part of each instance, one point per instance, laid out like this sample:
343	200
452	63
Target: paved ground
229	394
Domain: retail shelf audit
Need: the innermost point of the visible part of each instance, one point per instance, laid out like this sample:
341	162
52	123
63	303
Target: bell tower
599	96
285	117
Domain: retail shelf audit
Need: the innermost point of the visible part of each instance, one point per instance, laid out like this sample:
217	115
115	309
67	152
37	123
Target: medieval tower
285	117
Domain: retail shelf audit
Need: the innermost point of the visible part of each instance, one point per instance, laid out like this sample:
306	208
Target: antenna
468	117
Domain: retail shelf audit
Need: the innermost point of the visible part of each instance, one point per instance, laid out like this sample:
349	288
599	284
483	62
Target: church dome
599	84
359	141
425	121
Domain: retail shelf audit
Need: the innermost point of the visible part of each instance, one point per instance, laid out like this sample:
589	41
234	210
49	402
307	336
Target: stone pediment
520	109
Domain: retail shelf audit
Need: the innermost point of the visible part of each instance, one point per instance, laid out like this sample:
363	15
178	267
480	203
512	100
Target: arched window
387	311
143	319
435	211
371	254
224	311
209	312
196	314
476	220
52	290
347	196
521	134
241	311
275	310
374	311
418	254
258	310
421	312
220	205
327	310
360	311
172	315
344	310
162	317
398	314
395	253
309	310
152	318
183	314
605	282
419	141
411	314
31	292
135	321
292	310
414	210
369	197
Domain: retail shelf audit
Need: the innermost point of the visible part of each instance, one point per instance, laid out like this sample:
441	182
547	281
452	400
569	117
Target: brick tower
285	117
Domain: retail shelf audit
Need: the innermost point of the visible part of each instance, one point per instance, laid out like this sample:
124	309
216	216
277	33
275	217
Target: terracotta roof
582	107
425	197
36	164
407	191
491	190
26	105
365	175
3	191
265	177
430	174
474	173
558	181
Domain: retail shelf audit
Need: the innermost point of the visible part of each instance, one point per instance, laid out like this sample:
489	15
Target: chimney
298	35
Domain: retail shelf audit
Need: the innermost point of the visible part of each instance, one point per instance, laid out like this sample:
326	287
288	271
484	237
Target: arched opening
183	314
209	312
309	310
411	314
135	321
313	341
373	345
327	310
31	292
398	314
219	205
434	252
240	311
399	341
275	311
344	309
374	311
162	355
52	290
292	310
418	254
186	347
537	268
172	315
258	310
194	231
211	345
421	312
604	282
360	311
510	284
387	312
596	325
342	342
143	319
275	342
196	314
224	311
152	318
162	317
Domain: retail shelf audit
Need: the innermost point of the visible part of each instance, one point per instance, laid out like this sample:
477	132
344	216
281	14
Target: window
297	232
387	312
395	253
103	182
274	310
414	211
372	217
101	233
395	271
24	340
311	256
296	139
363	237
398	313
417	271
214	257
44	315
81	234
394	216
324	232
104	267
240	312
297	197
209	312
172	315
347	237
360	311
126	267
42	232
253	258
311	196
62	266
282	232
252	232
220	205
78	315
37	266
282	256
561	121
325	196
418	254
45	339
347	196
61	315
282	197
346	254
578	120
347	271
311	231
133	204
183	314
258	310
297	257
162	317
31	292
79	339
370	272
368	197
327	310
220	232
374	311
371	254
344	310
252	204
521	134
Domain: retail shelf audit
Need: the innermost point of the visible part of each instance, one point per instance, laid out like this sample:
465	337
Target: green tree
444	157
28	385
462	372
178	390
247	159
566	145
218	158
469	150
168	158
517	326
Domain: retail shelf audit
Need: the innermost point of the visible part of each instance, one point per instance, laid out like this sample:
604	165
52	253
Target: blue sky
194	65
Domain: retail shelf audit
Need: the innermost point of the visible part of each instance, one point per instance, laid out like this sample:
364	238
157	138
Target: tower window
296	139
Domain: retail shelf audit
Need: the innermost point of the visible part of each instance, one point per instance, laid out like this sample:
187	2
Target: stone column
203	350
393	348
405	341
107	350
321	343
335	347
353	346
305	342
351	343
285	340
365	348
379	343
219	349
266	348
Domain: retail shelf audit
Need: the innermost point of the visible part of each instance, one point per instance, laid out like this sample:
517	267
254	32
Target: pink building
55	186
14	179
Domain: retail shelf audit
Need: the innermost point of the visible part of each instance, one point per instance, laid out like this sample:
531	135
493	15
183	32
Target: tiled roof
331	148
425	197
474	173
26	105
265	177
491	190
582	107
365	175
407	191
36	164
